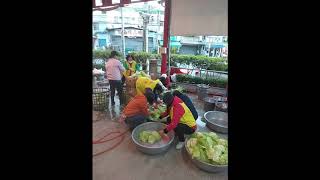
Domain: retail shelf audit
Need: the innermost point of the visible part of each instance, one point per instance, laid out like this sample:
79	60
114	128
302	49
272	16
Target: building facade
106	30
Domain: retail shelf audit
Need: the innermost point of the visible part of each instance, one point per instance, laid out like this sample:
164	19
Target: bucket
202	91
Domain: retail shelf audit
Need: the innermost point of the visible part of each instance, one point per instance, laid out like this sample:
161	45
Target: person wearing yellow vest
131	67
144	83
182	120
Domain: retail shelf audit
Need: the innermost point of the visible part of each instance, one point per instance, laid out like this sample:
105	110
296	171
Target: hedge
200	61
217	82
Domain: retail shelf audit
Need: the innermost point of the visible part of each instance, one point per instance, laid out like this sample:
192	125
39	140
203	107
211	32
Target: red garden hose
104	140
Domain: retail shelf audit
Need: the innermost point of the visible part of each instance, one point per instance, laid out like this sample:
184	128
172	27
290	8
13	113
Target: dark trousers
123	79
135	121
116	84
181	130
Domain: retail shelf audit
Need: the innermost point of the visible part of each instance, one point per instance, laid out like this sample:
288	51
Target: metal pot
211	103
202	91
217	121
151	149
206	166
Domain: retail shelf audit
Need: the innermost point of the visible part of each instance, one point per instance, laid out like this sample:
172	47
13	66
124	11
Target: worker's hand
161	132
159	100
164	136
155	105
122	118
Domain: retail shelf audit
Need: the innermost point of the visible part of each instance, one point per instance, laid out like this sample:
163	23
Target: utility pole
158	18
122	34
146	18
145	31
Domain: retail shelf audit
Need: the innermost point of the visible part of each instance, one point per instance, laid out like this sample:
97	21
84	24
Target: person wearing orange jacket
136	112
182	120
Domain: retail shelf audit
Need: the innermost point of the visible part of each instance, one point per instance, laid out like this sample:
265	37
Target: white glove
174	78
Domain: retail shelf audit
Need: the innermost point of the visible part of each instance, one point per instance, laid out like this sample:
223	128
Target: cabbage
149	137
213	135
143	136
208	147
222	142
217	152
155	114
210	153
223	159
203	156
156	135
196	152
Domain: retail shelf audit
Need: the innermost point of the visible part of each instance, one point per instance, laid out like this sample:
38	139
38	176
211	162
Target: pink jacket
114	69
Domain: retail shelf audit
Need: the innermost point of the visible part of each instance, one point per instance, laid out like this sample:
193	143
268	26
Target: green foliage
141	57
200	61
217	82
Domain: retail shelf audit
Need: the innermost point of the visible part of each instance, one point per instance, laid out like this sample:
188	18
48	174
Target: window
116	19
95	26
102	42
115	1
127	20
103	12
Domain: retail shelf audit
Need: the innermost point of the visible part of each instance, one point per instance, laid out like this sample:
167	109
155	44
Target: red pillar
165	36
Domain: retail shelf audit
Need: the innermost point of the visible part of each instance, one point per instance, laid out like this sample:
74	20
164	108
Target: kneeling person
182	120
136	112
187	101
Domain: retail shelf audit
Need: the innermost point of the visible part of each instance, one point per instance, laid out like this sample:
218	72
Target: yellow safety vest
143	82
129	72
187	117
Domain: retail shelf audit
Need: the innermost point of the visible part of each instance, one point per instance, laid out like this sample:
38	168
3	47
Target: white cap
174	78
164	75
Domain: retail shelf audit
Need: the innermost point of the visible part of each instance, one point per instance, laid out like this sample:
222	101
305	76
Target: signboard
130	32
215	39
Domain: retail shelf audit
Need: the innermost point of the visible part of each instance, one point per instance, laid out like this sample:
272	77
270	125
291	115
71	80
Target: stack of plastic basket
100	97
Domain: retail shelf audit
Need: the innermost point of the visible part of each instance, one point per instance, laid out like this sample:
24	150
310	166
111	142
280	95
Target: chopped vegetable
155	113
140	74
208	147
179	88
149	137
